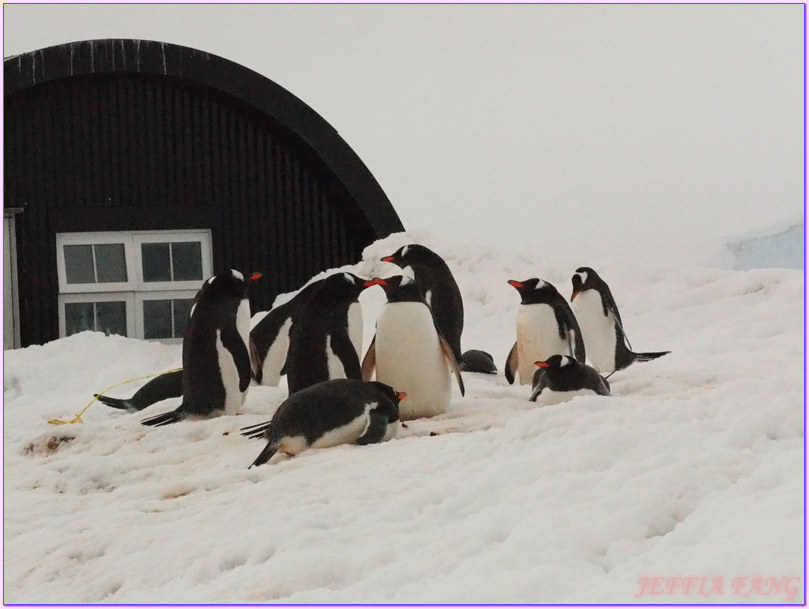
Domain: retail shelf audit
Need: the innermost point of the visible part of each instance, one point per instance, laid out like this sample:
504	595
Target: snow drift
692	469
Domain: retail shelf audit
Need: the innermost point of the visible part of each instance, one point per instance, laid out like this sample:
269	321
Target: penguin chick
217	362
608	347
561	378
342	411
545	326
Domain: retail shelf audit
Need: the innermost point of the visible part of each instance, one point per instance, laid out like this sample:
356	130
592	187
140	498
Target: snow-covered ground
694	468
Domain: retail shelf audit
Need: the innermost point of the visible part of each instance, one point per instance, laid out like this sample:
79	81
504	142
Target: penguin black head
557	362
399	288
414	254
342	286
227	283
391	405
534	291
583	279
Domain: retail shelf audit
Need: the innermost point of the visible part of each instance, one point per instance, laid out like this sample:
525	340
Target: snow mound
693	468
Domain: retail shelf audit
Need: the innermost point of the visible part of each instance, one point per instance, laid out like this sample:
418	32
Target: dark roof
125	56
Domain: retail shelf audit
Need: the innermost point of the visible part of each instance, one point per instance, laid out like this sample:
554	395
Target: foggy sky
589	132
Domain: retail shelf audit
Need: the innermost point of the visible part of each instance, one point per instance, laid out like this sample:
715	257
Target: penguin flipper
453	363
266	454
255	431
649	356
232	341
256	363
166	418
375	430
369	361
116	403
512	364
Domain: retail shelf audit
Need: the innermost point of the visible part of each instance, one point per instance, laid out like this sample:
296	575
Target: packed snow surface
693	468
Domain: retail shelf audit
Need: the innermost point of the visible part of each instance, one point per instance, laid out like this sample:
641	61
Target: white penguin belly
548	397
355	327
537	338
230	377
597	330
409	359
345	434
276	356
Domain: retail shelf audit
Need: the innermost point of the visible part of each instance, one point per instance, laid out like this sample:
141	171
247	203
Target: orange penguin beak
515	283
401	395
387	259
375	281
255	276
542	364
573	296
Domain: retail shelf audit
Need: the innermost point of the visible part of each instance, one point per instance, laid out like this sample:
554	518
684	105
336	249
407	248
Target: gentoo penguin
270	337
329	413
608	348
320	346
545	326
164	386
561	378
409	352
217	362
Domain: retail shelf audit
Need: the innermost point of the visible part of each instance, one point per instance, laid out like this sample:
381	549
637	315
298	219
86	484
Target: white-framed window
137	283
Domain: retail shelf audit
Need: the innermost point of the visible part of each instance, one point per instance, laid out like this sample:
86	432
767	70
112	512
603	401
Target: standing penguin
341	411
545	326
409	352
270	338
561	378
320	344
608	348
217	362
442	295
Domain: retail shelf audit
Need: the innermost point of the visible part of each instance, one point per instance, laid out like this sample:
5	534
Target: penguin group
336	395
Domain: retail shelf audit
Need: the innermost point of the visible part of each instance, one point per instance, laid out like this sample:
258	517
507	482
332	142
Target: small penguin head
401	288
414	254
555	361
227	283
583	279
343	285
534	290
390	405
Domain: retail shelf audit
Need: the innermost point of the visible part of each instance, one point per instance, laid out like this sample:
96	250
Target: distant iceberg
781	246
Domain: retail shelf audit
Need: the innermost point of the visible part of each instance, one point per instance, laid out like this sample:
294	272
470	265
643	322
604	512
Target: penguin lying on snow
217	363
442	295
608	347
545	326
561	378
330	413
320	345
409	352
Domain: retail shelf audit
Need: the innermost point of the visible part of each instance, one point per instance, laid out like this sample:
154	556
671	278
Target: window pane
111	317
156	261
181	310
78	317
110	262
187	260
79	264
157	319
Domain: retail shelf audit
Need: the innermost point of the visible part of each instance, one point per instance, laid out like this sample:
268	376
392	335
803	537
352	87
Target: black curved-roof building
135	168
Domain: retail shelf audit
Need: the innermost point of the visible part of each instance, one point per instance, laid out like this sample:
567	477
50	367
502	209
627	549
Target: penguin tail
166	418
255	431
649	356
266	454
116	403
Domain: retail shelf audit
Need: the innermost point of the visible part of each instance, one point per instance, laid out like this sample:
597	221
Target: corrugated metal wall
134	152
